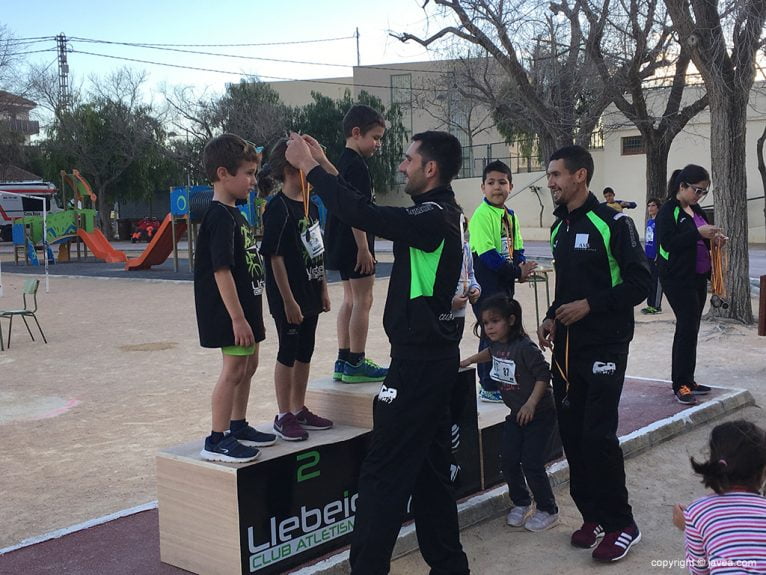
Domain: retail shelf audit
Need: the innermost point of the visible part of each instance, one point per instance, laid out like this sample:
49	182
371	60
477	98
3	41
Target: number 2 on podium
304	471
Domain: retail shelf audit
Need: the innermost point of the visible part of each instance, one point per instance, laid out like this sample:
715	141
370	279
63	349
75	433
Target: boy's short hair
497	166
575	158
227	151
656	201
362	117
608	190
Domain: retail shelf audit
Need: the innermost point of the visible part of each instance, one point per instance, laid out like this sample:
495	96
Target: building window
632	145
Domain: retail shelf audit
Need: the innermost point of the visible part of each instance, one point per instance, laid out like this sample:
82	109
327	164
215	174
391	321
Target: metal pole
189	241
358	57
762	308
175	245
188	161
45	244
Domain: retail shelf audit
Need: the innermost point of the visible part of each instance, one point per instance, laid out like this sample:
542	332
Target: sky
219	23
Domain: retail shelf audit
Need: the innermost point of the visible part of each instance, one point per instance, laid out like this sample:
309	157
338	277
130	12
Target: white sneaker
518	515
541	521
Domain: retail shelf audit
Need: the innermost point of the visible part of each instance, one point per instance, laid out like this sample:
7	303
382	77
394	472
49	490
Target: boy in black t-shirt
228	283
352	251
296	288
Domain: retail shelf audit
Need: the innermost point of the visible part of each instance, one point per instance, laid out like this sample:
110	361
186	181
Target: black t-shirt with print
339	239
284	221
226	241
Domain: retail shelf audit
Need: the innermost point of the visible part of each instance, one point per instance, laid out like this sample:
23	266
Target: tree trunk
762	167
547	147
728	111
657	151
104	211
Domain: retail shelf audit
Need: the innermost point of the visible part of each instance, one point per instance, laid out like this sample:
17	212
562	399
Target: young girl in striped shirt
726	532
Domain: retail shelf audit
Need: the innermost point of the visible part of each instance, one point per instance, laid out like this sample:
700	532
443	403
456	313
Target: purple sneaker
309	420
289	429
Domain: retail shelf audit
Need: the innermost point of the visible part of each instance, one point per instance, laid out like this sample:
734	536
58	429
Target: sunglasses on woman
701	192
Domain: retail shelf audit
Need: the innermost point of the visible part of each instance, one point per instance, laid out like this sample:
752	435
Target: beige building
426	93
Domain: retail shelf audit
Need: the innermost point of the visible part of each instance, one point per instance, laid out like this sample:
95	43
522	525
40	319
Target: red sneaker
588	535
616	544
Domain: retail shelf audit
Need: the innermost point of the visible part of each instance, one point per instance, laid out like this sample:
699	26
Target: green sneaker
366	371
337	372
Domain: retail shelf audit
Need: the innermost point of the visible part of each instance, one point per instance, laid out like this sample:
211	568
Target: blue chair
29	291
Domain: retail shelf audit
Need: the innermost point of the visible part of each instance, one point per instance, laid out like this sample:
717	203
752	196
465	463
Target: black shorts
351	274
296	342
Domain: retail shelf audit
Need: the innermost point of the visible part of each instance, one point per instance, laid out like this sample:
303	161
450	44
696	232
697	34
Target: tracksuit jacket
598	257
428	257
678	242
494	273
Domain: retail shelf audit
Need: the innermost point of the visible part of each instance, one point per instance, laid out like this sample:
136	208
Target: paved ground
123	376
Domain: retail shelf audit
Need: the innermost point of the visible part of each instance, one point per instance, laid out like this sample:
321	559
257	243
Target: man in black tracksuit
601	274
410	446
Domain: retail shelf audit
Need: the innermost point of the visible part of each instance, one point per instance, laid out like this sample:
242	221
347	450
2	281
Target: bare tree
456	106
10	58
250	109
728	69
556	94
41	85
630	43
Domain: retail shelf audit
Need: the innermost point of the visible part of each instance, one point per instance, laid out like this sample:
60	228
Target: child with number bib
523	379
296	289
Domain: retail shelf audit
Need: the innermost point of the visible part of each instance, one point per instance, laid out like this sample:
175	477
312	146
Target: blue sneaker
337	372
490	396
366	371
228	450
251	437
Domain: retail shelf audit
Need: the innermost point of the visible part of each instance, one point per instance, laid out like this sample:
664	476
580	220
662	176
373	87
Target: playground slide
100	246
159	248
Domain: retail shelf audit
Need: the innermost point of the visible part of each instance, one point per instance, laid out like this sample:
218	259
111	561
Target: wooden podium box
346	403
296	502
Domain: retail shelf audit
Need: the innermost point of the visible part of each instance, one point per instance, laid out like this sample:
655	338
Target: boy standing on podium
228	286
352	251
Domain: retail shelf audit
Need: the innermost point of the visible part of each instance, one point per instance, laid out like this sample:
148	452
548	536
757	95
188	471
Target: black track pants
409	455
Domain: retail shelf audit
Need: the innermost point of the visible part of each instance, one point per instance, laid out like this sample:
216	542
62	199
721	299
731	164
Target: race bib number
503	371
506	249
312	241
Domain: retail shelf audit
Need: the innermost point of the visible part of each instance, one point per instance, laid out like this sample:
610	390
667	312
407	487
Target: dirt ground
123	376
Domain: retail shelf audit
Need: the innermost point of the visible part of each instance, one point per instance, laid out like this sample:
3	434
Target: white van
14	205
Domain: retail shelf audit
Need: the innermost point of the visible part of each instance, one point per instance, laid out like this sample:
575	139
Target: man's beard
412	189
